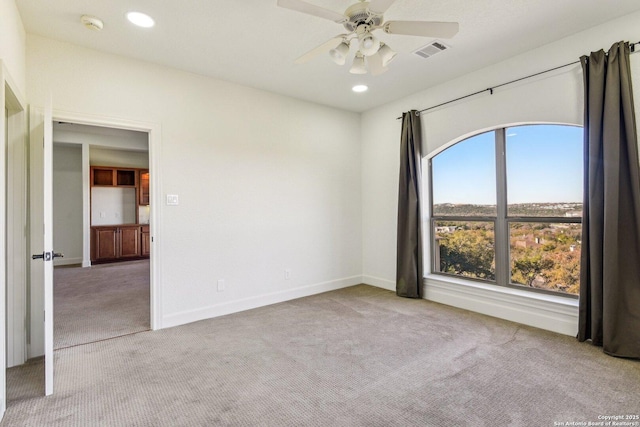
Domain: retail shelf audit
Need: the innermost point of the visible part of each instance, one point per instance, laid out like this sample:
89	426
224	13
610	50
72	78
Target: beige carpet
354	357
100	302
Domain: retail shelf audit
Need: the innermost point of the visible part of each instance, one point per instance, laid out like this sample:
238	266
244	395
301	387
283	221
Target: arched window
506	208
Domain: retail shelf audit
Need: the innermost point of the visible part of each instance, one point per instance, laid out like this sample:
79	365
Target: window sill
551	312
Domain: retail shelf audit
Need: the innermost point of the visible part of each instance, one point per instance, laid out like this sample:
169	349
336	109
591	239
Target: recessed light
360	88
140	19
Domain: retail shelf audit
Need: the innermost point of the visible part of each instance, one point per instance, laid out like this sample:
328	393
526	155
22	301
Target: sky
544	165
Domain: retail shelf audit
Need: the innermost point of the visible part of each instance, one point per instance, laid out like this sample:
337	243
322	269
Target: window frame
501	221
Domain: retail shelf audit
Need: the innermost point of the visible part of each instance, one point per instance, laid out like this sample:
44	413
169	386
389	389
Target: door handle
47	256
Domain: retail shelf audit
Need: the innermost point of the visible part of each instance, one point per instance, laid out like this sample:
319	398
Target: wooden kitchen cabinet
129	241
143	193
104	243
126	177
145	238
102	176
116	243
113	177
119	242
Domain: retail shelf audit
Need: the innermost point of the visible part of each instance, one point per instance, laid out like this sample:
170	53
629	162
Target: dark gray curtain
610	264
409	255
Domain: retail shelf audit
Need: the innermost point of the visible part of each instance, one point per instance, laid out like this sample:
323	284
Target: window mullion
501	226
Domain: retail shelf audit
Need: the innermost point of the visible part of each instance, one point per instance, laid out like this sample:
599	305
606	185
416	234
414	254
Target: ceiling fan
360	20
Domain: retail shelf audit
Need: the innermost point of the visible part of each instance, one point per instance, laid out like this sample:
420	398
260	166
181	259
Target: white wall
265	182
113	206
553	97
118	158
67	203
12	43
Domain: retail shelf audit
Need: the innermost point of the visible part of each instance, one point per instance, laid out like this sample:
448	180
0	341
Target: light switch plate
172	200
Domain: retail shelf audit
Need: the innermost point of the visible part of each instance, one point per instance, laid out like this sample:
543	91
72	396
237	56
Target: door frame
153	131
16	222
13	229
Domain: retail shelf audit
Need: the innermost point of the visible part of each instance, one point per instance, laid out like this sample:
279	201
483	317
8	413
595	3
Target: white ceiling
254	42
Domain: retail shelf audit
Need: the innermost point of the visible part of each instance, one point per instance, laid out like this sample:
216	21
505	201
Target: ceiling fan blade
323	48
444	30
375	64
378	7
311	9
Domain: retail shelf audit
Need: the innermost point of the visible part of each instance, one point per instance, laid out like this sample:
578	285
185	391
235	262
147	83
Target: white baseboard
379	283
67	261
230	307
549	312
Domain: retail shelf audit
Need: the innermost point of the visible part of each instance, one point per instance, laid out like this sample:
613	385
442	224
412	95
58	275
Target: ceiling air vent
431	49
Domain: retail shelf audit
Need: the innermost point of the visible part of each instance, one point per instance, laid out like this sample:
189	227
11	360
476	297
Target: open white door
48	250
42	219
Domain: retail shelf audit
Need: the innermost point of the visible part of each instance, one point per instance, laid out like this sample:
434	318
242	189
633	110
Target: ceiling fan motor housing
359	14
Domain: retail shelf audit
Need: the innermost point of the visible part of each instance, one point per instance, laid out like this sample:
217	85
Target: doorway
95	302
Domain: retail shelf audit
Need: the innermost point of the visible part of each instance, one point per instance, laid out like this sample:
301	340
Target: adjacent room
101	284
320	212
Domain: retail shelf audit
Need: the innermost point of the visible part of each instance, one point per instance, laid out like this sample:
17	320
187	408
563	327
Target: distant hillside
521	209
453	209
546	209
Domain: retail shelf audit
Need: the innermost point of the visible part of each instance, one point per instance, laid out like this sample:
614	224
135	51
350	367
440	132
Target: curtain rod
632	47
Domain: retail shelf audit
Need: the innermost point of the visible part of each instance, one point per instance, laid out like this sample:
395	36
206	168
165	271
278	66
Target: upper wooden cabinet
143	193
102	176
113	177
126	178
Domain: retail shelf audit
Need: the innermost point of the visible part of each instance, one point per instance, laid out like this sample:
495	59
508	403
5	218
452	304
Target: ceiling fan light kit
369	45
386	54
339	53
358	66
360	20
